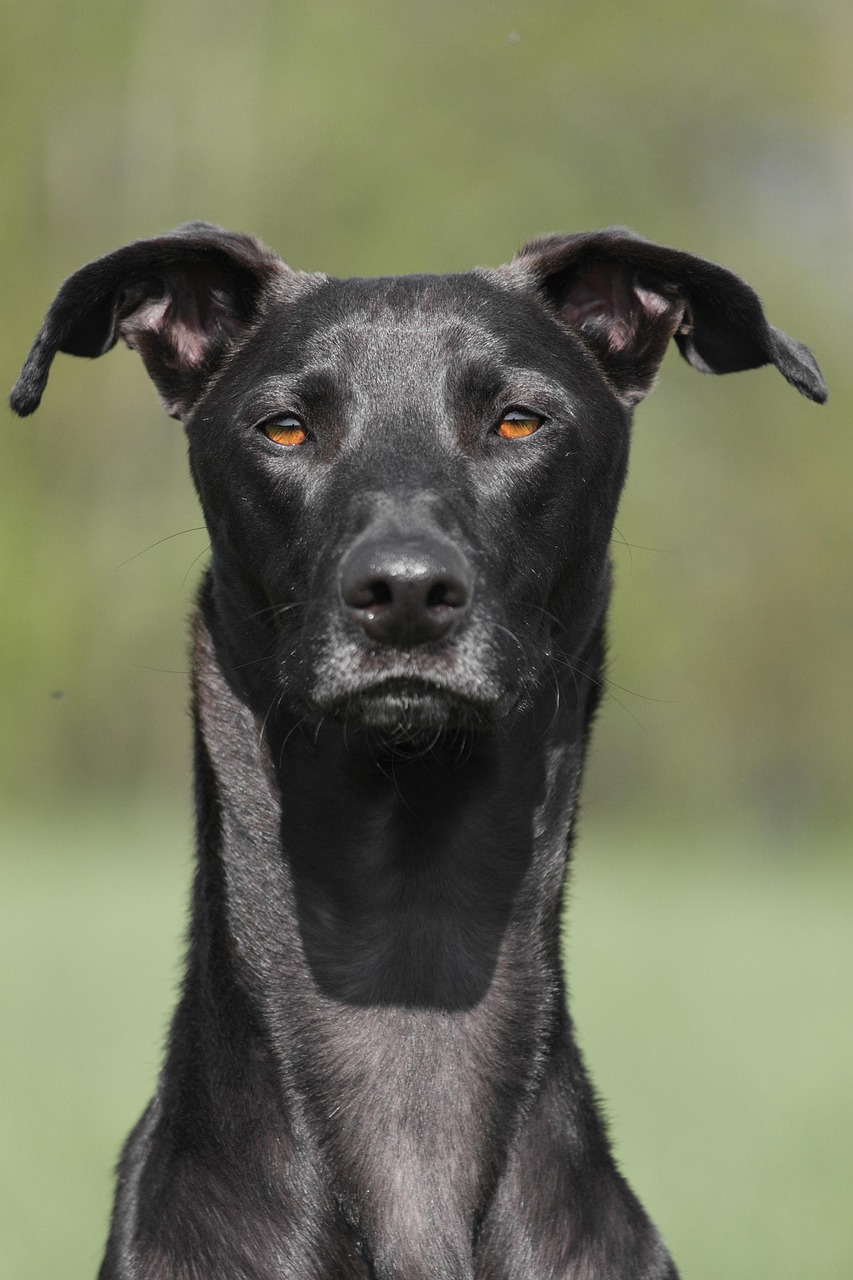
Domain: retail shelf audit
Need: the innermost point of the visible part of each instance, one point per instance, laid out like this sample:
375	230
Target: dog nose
406	593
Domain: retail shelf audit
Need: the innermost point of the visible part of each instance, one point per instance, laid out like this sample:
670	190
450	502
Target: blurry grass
712	991
90	938
711	987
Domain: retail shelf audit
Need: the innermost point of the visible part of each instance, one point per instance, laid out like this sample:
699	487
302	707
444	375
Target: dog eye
518	423
286	429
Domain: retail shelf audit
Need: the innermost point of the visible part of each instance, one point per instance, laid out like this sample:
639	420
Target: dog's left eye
518	423
286	429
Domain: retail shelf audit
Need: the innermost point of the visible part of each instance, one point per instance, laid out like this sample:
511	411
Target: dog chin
409	709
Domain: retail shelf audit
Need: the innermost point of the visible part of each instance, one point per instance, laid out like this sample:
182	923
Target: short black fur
398	654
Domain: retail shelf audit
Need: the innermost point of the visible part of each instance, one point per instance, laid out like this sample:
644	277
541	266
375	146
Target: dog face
409	483
380	465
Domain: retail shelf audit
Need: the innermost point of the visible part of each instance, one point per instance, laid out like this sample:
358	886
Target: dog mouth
409	707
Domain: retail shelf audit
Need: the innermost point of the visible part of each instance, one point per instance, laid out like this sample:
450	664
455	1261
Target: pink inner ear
187	331
601	290
176	321
609	293
600	287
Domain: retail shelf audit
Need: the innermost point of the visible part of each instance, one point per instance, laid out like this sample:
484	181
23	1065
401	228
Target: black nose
406	593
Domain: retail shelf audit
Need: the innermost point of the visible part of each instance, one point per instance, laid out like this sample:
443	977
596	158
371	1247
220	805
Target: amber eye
518	423
286	429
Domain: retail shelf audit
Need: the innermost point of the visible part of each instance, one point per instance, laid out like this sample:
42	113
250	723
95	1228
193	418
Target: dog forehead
402	322
385	339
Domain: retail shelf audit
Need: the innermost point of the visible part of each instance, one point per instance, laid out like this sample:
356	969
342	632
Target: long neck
404	869
393	921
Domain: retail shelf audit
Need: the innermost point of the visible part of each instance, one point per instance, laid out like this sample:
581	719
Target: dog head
410	483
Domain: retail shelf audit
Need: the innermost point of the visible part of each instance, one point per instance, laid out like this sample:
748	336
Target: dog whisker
179	533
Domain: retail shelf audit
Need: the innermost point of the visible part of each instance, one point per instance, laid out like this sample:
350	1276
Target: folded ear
180	300
626	297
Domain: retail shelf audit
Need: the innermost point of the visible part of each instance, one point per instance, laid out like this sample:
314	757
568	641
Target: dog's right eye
286	430
518	423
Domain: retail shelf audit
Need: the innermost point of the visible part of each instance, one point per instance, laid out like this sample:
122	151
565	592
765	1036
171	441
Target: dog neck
407	869
394	924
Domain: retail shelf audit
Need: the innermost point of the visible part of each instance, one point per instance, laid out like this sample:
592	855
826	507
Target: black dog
410	486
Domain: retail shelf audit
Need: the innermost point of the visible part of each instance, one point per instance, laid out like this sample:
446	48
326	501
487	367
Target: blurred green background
710	941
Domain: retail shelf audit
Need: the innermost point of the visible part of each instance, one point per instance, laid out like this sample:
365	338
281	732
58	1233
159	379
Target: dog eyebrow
311	386
485	382
523	381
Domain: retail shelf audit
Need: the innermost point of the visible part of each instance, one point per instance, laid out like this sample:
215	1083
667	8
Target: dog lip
400	700
401	686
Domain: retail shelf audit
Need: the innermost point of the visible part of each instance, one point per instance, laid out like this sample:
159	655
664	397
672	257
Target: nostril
381	593
446	595
373	594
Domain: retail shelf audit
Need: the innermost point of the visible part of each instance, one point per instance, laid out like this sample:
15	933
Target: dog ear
180	300
626	297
